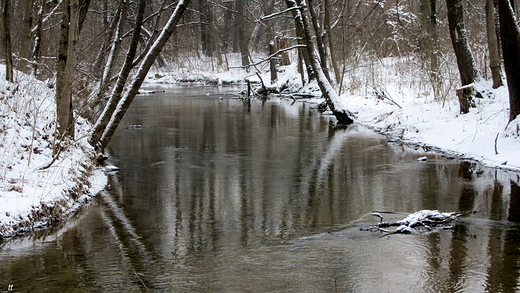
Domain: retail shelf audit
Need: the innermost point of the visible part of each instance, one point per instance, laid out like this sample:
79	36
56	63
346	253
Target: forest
97	53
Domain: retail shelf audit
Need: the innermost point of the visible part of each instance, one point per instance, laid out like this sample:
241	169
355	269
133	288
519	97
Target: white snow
30	197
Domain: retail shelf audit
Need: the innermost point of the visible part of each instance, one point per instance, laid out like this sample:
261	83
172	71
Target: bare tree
510	39
123	74
73	16
494	53
343	116
108	129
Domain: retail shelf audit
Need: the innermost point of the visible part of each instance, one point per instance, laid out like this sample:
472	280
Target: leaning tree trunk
110	127
331	97
303	56
494	54
322	50
510	39
123	74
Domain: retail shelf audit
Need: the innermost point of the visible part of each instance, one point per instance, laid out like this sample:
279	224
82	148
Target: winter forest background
95	50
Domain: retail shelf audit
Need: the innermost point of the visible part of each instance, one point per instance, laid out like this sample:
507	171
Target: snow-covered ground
31	197
393	96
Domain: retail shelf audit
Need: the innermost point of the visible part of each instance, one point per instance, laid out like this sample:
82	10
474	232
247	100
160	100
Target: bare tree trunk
430	42
272	62
206	32
63	80
36	50
510	38
466	64
328	30
322	50
7	39
25	35
243	41
123	75
73	16
494	53
302	52
114	50
127	98
343	116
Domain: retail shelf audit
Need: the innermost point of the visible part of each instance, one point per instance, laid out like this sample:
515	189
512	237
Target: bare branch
273	15
270	56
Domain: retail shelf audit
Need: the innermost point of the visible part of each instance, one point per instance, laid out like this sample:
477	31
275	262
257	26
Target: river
217	194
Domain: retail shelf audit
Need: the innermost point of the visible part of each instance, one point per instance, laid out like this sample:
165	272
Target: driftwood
421	221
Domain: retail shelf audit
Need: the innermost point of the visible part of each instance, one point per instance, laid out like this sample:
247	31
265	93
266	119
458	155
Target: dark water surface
223	195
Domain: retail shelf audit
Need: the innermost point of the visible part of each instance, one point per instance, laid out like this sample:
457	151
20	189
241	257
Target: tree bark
63	79
27	25
206	33
272	63
73	15
492	40
6	23
322	50
36	49
243	41
510	39
328	31
429	41
123	105
302	52
465	62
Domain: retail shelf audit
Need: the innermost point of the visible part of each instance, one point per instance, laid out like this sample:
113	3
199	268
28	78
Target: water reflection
261	196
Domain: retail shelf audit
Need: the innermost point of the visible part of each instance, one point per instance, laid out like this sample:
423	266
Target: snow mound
32	197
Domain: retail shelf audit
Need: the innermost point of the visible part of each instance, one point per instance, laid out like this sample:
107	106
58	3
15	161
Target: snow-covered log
424	220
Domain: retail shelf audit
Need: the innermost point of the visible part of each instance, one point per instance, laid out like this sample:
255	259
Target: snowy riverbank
392	97
32	197
387	96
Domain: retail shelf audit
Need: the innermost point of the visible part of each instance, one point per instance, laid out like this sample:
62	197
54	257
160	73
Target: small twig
496	140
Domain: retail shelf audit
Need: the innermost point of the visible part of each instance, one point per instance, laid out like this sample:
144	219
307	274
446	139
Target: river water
217	194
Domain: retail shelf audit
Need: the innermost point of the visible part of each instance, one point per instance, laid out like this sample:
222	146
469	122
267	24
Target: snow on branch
273	15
